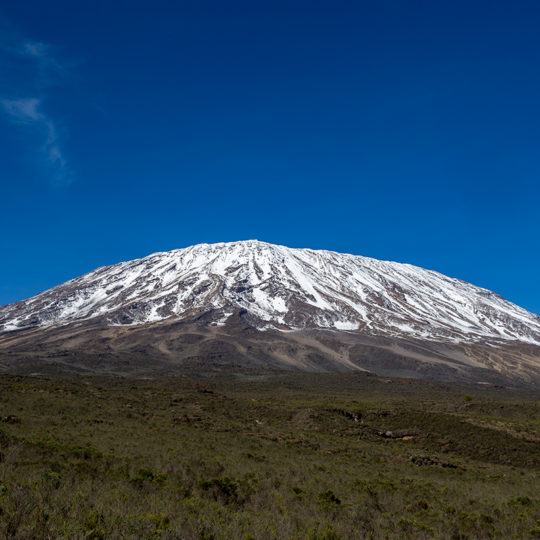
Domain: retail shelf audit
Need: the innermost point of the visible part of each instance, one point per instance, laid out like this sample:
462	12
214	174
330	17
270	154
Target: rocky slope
280	295
282	288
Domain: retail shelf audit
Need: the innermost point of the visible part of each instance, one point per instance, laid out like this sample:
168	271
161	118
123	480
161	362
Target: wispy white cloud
23	110
51	71
36	48
26	112
30	72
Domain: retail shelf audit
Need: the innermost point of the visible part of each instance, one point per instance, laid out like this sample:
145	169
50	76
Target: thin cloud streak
32	70
50	70
24	111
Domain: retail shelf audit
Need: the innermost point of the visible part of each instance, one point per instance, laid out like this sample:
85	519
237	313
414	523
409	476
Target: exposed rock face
279	287
348	311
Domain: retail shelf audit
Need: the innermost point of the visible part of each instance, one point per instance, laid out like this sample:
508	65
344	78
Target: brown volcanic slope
167	348
171	347
255	306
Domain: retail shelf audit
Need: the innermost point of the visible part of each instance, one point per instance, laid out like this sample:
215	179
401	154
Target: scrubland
255	455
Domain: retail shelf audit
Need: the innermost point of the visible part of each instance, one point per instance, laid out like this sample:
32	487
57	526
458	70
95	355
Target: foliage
260	455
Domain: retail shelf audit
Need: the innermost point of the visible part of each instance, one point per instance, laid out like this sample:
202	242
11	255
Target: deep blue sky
405	131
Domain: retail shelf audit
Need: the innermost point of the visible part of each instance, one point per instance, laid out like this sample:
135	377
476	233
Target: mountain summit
280	287
275	290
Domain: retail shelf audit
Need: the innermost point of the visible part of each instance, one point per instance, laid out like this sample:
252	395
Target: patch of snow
300	288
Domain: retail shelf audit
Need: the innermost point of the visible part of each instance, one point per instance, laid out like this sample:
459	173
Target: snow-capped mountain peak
282	288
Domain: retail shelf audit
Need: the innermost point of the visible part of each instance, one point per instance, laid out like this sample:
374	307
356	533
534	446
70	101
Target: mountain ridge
240	305
284	287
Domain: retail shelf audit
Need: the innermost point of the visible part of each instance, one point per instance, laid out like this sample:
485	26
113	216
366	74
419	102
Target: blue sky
405	131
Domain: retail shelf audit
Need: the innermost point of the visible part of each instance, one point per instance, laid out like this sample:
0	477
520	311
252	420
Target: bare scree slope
253	304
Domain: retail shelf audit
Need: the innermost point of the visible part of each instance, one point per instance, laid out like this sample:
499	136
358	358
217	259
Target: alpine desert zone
258	306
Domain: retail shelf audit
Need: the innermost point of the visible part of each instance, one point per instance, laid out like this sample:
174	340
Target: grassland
266	456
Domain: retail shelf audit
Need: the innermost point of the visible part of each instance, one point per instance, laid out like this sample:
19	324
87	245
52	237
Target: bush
328	497
222	489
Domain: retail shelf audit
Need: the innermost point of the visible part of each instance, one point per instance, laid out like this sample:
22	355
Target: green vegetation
266	456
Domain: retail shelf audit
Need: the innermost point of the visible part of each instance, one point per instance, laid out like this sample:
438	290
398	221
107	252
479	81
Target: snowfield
283	288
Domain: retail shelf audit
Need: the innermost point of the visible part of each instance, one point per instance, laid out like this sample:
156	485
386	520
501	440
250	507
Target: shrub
224	489
328	497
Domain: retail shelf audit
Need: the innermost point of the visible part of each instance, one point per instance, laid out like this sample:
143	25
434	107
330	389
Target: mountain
254	304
